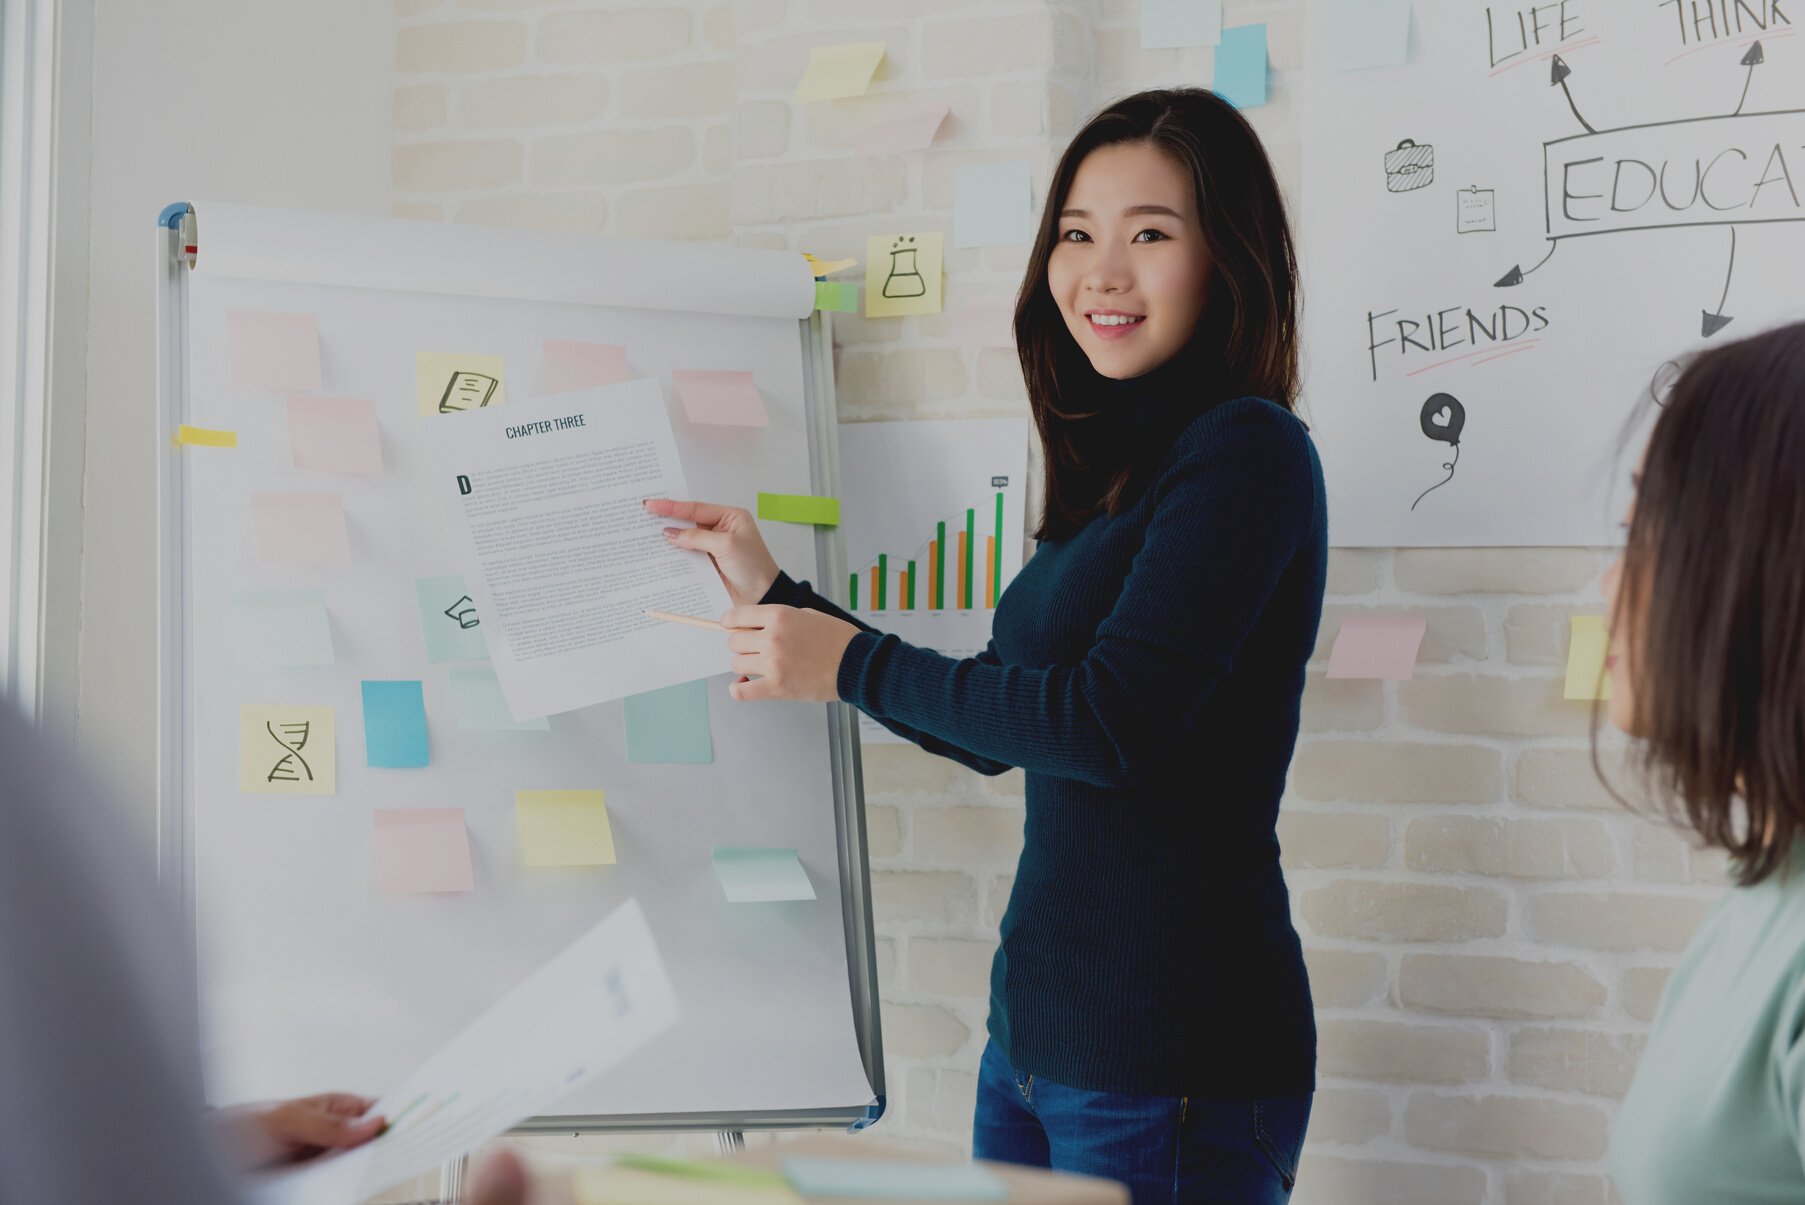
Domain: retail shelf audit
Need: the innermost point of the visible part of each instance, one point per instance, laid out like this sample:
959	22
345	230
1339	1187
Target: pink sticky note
273	351
985	324
300	529
334	435
724	399
570	364
1377	646
421	850
908	126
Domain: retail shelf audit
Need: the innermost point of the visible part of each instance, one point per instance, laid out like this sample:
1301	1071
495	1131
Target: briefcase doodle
1409	167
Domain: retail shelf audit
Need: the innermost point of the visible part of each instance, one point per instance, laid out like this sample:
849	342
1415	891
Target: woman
1150	1016
1707	673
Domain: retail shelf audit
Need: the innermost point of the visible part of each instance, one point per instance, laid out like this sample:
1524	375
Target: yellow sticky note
287	750
827	267
902	274
449	382
1586	653
564	828
839	71
203	437
623	1184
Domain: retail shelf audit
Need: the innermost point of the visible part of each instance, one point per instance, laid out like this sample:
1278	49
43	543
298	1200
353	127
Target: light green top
1714	1113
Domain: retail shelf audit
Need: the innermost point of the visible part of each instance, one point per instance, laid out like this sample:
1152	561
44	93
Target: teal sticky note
670	725
761	876
281	629
477	699
394	725
1241	66
1367	33
877	1179
992	203
448	620
1172	23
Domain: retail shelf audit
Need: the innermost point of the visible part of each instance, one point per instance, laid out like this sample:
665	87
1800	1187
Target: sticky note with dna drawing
287	750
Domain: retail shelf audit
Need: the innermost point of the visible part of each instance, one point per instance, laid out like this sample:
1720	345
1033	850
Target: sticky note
204	437
881	1180
1377	646
449	624
394	725
908	126
287	750
1166	24
799	508
570	364
984	324
839	71
698	1169
819	267
670	725
720	399
451	382
903	274
273	351
284	629
421	851
991	204
334	435
477	701
1241	66
1586	652
1367	33
563	828
761	876
625	1184
300	529
839	296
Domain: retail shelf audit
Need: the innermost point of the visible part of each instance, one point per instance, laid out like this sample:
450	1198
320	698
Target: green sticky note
281	629
477	699
761	876
670	725
799	508
448	620
695	1169
840	296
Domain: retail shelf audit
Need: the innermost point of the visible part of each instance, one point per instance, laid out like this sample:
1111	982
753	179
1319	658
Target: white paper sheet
544	503
582	1012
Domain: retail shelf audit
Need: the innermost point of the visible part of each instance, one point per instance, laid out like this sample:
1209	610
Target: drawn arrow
1518	272
1712	323
1558	71
1753	59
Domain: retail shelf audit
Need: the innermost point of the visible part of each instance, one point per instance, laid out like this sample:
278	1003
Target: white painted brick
940	1100
612	156
1497	570
950	966
1466	703
577	212
717	152
457	166
821	189
681	90
1395	771
921	1030
1520	849
1348	1180
1333	839
678	211
461	47
607	38
421	107
1617	920
883	831
1485	986
1402	1052
1505	1126
528	100
417	210
996	899
999	375
1342	704
761	129
1642	988
1356	570
967	836
913	897
982	46
717	27
776	65
1403	912
892	382
1345	978
1348	1116
1534	1186
1574	1060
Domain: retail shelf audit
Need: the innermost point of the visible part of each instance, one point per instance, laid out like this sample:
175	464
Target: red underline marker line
1545	55
1527	343
1513	351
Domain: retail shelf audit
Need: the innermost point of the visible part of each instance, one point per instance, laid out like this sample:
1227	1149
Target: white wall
261	101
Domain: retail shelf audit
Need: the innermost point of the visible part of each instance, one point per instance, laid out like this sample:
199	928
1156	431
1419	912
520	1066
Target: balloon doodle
1442	419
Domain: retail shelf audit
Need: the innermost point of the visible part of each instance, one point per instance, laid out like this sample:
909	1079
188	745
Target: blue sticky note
1367	33
281	629
1171	23
670	725
761	876
1241	66
448	620
877	1179
477	699
992	203
394	725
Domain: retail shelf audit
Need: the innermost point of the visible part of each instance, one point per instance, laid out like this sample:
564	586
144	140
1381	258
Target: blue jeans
1175	1150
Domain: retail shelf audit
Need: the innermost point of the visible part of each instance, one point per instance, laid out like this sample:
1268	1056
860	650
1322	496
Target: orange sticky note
724	399
334	435
273	351
300	529
571	364
422	850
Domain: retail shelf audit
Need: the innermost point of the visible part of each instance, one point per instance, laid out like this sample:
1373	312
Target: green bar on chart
940	568
909	588
882	587
971	540
996	551
852	601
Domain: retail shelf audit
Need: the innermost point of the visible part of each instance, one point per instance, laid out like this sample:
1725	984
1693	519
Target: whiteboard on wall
311	979
1486	224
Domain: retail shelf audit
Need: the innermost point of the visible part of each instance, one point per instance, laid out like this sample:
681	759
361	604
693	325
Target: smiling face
1130	271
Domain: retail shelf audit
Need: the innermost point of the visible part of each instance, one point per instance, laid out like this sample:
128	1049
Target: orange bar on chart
871	598
933	560
990	571
959	598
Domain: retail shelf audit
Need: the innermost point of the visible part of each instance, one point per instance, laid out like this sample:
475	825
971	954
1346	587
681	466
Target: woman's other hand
264	1136
729	535
786	652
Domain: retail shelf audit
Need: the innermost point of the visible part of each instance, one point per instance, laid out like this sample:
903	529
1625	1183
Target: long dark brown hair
1246	341
1713	591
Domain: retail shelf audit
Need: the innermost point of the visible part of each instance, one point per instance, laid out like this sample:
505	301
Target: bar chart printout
933	517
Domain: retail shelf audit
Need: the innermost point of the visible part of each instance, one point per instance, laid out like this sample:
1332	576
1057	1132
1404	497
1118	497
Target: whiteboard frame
174	718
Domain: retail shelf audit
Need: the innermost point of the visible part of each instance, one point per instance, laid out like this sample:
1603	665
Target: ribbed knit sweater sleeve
1231	509
788	592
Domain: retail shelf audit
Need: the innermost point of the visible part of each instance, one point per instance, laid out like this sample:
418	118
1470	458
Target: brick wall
1487	931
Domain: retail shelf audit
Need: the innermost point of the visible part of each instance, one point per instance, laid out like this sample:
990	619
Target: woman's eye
1074	236
1149	236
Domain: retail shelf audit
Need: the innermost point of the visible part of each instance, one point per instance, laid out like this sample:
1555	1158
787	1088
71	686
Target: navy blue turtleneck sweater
1146	672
